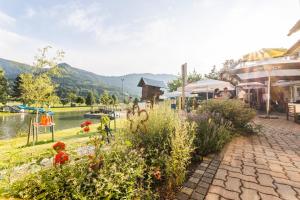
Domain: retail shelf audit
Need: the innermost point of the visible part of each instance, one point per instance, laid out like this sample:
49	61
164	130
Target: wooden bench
293	111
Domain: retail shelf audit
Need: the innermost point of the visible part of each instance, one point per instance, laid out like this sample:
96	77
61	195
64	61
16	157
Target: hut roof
151	82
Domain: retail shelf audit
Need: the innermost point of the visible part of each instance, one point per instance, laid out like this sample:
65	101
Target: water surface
13	125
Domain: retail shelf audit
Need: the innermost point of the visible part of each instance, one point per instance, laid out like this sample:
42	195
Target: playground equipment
24	107
44	121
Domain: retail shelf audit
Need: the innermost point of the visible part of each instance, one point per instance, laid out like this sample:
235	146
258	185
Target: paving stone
230	169
223	192
212	196
194	180
219	182
197	196
211	171
209	175
201	190
182	196
233	184
206	179
249	194
272	173
286	192
190	184
187	190
249	171
259	188
200	171
221	174
242	176
265	179
268	197
203	184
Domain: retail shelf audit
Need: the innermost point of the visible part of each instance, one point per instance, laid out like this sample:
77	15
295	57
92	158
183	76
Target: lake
13	125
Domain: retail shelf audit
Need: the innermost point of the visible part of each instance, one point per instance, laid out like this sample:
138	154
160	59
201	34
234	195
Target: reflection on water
11	126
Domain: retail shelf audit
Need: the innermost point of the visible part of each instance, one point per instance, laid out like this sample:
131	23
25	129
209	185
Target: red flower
82	125
59	146
86	129
61	158
87	123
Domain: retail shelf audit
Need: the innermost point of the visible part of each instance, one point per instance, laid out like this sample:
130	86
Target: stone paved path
264	166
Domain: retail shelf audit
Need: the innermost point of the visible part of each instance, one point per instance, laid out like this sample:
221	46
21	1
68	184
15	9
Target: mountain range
80	81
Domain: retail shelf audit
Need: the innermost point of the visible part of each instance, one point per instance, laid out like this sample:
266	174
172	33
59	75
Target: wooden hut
151	89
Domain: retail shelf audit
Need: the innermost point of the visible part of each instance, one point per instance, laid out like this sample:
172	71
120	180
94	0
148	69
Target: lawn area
70	109
14	151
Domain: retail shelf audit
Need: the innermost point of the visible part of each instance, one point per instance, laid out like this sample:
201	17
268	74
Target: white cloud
6	20
30	12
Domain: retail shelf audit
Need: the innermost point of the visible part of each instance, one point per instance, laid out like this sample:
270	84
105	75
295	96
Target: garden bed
149	159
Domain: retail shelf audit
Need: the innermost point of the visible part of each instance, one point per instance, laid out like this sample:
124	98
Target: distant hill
81	80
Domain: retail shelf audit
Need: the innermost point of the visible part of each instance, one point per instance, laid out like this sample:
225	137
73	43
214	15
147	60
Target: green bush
211	133
234	111
166	143
120	177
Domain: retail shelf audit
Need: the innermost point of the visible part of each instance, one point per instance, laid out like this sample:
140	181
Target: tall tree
192	77
213	74
3	88
80	100
90	99
105	98
38	91
38	88
16	90
114	99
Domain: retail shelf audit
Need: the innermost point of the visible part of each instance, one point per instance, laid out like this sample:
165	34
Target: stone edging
198	184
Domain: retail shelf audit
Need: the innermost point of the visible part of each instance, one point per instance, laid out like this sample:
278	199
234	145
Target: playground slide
40	110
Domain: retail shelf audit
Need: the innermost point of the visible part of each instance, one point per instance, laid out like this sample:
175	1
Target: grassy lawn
14	151
70	109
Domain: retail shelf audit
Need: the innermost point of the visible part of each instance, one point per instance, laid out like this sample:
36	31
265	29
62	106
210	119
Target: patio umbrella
207	86
264	54
279	68
295	28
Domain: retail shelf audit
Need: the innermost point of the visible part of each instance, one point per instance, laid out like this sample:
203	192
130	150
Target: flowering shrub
121	177
86	126
166	146
234	111
212	132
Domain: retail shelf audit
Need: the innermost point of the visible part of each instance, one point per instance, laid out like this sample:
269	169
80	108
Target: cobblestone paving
264	166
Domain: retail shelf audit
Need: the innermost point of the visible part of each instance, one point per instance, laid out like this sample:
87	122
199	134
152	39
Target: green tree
72	97
213	74
37	90
105	98
16	90
114	99
80	100
192	77
3	88
64	101
90	99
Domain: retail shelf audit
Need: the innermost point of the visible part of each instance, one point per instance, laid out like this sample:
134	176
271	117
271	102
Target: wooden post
29	130
269	94
184	81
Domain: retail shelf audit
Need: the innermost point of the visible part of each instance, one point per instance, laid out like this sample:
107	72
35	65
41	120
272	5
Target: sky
116	37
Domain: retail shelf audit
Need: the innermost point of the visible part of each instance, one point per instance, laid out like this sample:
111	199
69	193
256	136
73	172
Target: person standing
225	94
241	95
